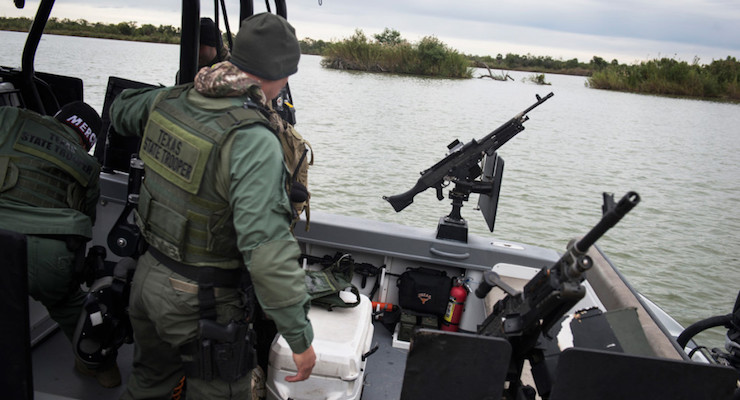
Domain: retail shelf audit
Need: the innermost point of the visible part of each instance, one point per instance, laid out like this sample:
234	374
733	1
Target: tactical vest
45	166
179	211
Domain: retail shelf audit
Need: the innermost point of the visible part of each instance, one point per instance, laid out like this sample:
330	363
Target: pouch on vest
324	285
424	290
298	157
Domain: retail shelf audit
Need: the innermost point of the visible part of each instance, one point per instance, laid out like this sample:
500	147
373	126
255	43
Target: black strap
225	278
206	296
177	91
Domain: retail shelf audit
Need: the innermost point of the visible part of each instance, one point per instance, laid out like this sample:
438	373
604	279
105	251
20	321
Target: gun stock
403	200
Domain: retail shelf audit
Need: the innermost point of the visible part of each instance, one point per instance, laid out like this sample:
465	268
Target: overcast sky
627	30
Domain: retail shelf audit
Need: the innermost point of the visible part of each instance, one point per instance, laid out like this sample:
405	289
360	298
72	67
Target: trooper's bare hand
304	362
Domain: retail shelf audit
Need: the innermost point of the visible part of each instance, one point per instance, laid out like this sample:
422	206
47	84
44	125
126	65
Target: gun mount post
454	226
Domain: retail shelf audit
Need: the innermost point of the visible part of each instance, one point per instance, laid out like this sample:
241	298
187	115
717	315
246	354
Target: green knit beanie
266	47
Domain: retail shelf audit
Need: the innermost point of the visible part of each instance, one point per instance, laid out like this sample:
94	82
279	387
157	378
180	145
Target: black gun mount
462	166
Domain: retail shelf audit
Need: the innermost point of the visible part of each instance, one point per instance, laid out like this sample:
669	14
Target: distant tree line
718	80
532	63
382	55
389	52
124	31
313	47
120	31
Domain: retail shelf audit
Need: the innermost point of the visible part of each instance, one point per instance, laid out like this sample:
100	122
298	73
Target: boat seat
497	294
16	377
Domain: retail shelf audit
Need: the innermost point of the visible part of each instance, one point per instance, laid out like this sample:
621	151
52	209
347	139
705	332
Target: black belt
220	277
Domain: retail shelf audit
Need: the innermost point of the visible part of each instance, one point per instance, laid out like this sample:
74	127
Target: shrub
671	77
390	53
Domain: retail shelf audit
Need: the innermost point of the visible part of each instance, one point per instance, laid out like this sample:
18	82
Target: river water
373	133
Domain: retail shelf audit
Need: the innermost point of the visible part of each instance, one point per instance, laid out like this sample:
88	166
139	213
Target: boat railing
615	294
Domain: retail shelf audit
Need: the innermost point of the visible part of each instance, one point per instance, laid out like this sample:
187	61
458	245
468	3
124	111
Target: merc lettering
82	126
78	122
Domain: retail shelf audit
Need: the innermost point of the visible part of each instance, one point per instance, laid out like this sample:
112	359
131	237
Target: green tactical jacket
250	176
49	185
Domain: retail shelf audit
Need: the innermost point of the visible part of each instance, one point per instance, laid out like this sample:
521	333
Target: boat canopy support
31	94
190	31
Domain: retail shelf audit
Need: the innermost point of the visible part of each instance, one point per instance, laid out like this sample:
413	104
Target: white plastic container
341	337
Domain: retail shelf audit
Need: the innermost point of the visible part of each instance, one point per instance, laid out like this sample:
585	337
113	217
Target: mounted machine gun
462	167
521	317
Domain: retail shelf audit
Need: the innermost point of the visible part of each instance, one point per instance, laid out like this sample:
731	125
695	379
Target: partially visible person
212	49
48	191
215	211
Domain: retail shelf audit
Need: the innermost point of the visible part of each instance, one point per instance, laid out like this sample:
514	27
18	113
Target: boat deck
55	378
373	243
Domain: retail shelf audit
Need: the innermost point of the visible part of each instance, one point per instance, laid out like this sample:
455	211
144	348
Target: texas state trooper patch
38	140
174	153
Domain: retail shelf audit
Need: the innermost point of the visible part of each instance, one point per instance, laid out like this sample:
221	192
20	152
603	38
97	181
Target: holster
91	267
221	351
76	244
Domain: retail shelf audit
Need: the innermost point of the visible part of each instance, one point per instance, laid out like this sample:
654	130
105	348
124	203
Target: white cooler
341	337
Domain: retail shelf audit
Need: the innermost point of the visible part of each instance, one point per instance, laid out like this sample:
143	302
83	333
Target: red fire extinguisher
458	294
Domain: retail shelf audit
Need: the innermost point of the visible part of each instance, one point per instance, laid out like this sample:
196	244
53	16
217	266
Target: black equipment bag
424	290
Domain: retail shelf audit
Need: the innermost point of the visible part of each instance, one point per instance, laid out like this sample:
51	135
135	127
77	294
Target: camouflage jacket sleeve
262	219
130	111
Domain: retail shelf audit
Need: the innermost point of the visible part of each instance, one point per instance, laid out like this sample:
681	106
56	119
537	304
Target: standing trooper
216	215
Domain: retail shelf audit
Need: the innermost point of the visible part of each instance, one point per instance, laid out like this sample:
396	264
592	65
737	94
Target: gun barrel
540	100
608	220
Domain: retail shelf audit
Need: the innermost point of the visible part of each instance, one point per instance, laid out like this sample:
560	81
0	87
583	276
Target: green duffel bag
324	285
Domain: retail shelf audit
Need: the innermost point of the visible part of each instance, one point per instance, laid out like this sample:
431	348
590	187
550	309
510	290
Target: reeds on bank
718	80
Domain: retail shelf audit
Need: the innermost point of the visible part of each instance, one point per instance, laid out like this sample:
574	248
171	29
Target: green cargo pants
165	318
51	281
